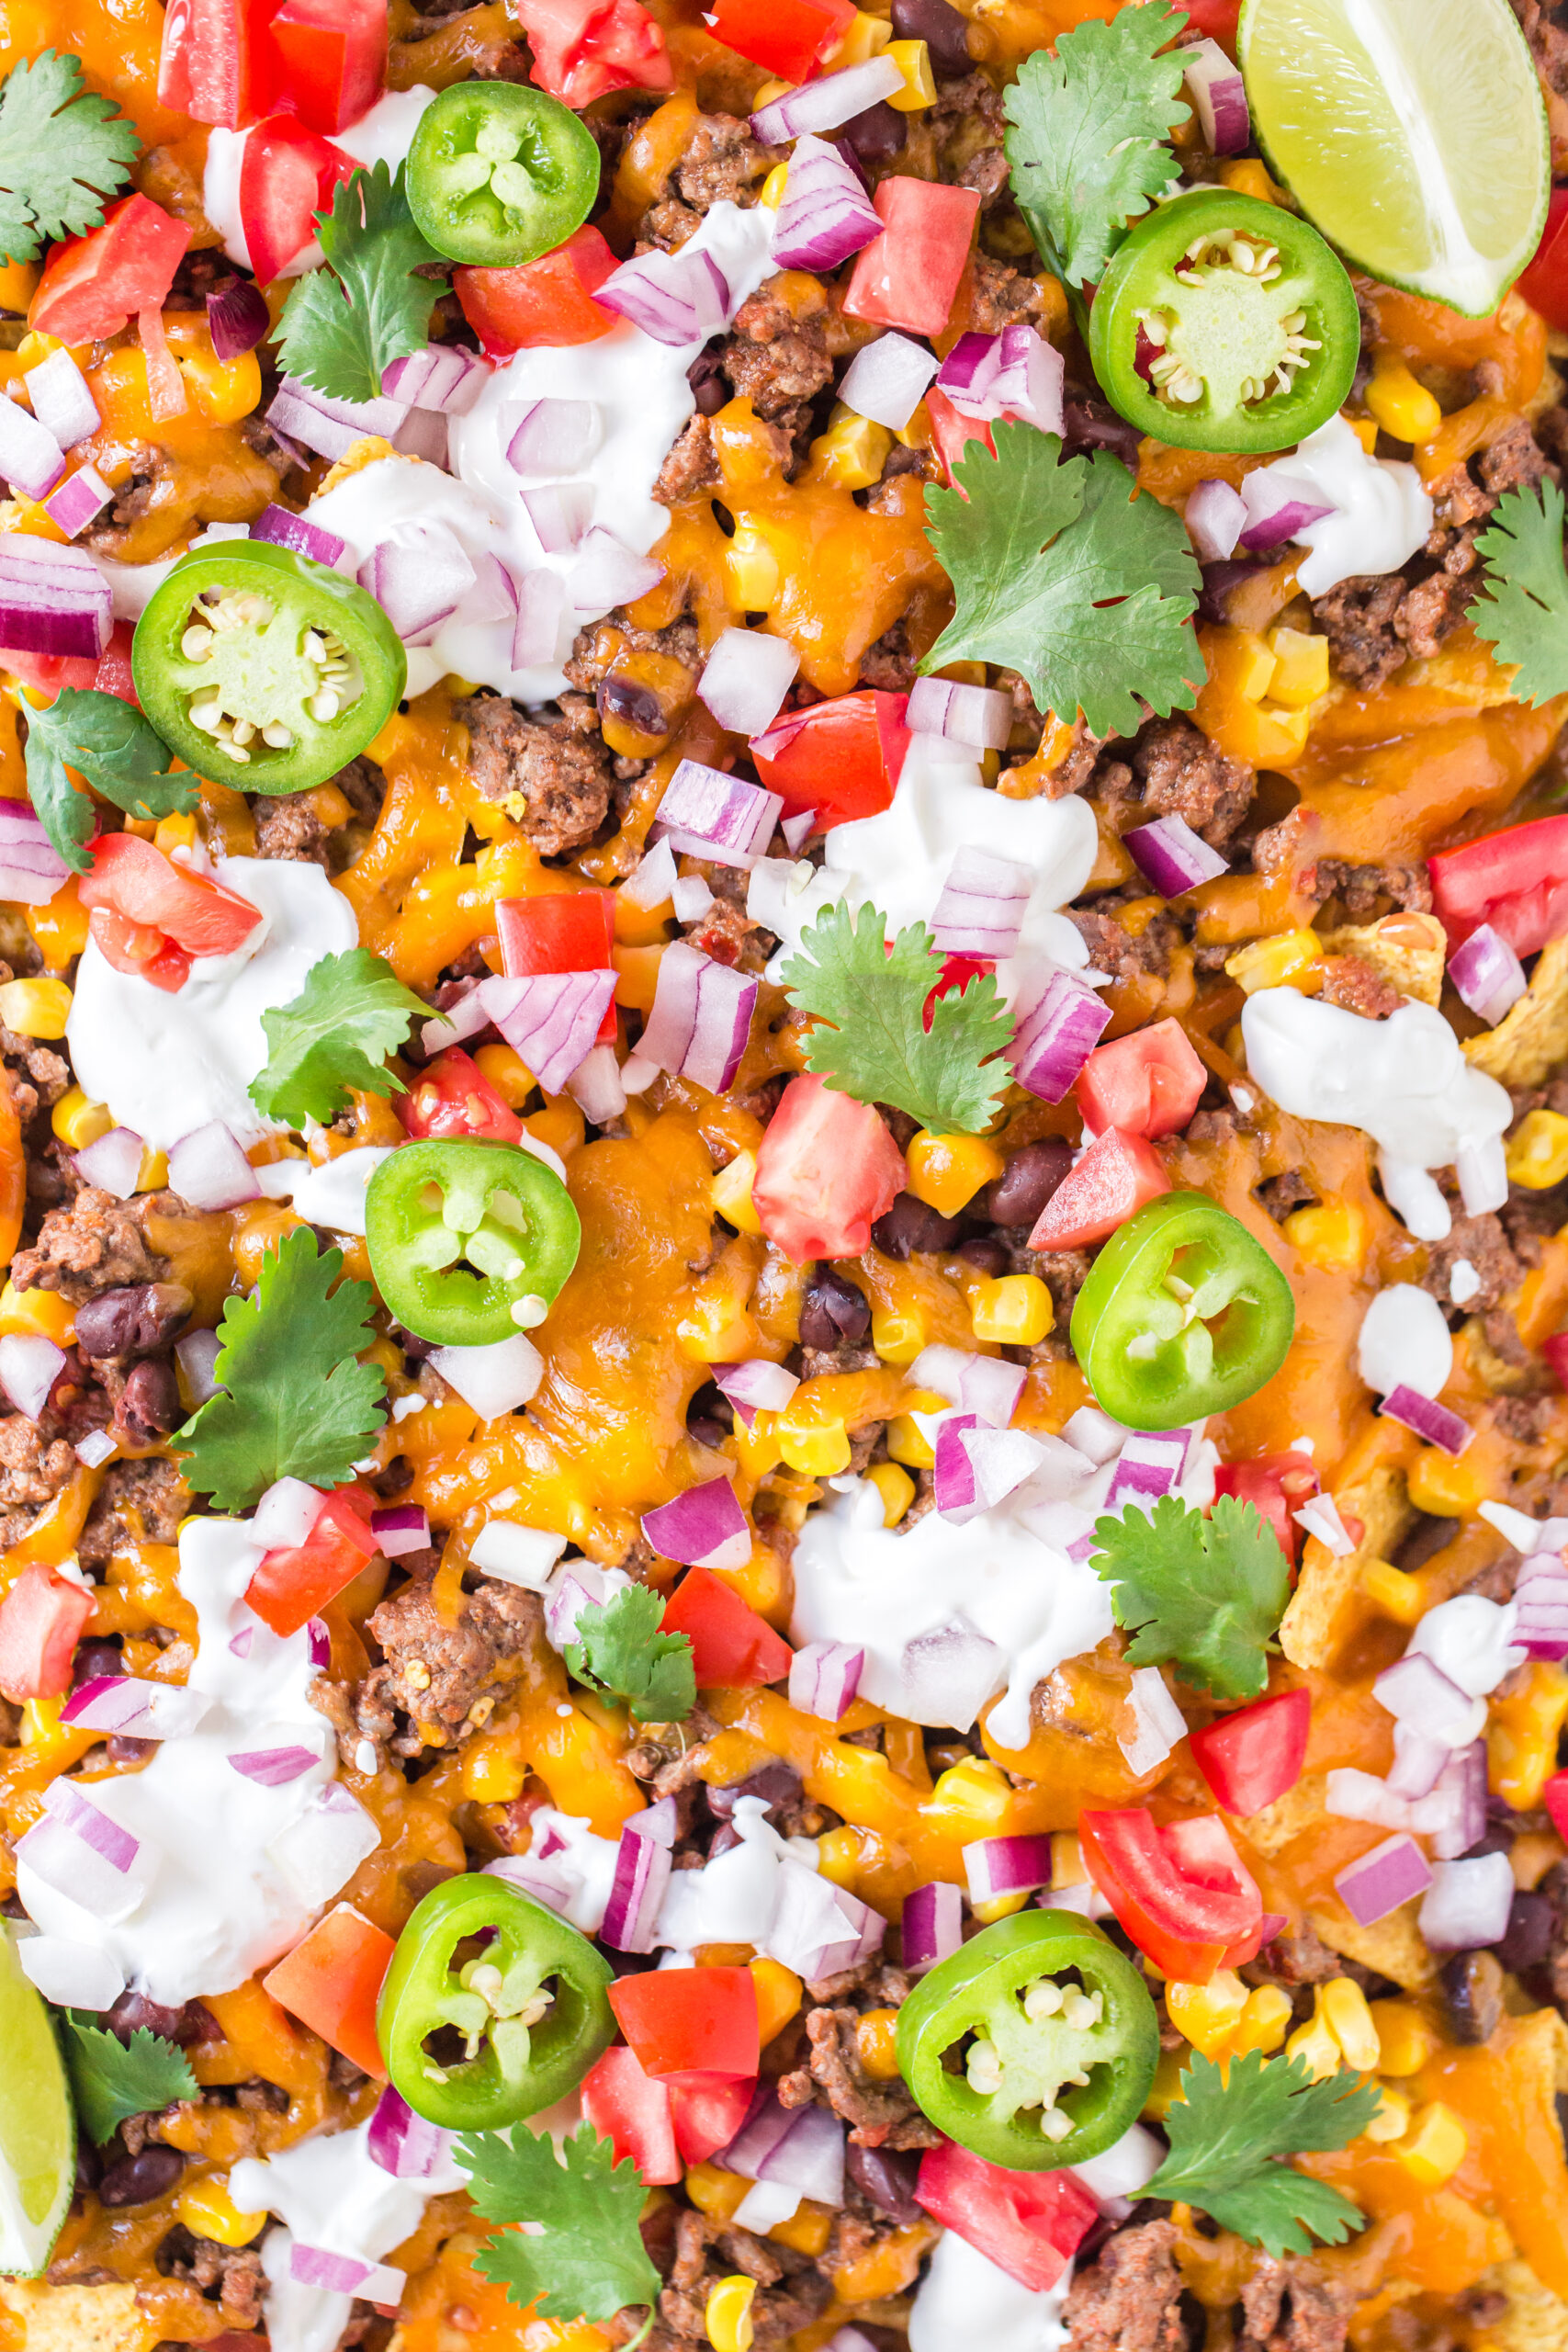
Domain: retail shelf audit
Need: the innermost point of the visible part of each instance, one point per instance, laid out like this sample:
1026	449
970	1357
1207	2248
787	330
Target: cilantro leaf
1036	553
1524	614
109	743
297	1404
620	1651
1205	1593
344	324
586	2260
875	1045
1087	138
1226	2132
114	2079
335	1035
63	151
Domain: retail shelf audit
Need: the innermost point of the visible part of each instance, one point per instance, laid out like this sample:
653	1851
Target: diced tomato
707	2116
691	2022
134	880
632	2111
138	948
1517	881
840	758
41	1623
286	175
330	1980
295	1582
93	286
217	63
1217	19
1114	1177
1253	1758
1275	1485
730	1644
547	302
1029	2223
110	670
826	1170
560	930
333	58
112	675
454	1097
953	432
908	276
1180	1891
788	37
582	47
1554	1796
1146	1084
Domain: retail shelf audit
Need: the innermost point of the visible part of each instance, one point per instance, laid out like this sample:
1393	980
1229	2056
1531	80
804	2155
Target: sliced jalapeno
492	2008
498	173
1183	1314
1034	2046
262	669
469	1242
1224	323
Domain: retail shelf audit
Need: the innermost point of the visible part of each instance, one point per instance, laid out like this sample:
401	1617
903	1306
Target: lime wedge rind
37	2127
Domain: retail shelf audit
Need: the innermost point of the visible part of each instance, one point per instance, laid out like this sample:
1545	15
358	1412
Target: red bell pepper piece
330	1980
1276	1485
582	47
334	59
787	36
544	303
707	2116
216	61
1029	2223
730	1644
633	2112
1253	1758
1180	1892
110	670
697	2022
1554	1796
1517	881
1146	1084
295	1581
454	1098
957	971
1554	1349
826	1170
93	286
953	432
1114	1177
42	1620
841	758
1544	283
560	930
907	276
287	177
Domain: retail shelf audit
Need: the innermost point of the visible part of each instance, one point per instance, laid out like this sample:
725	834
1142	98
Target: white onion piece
29	1366
114	1162
746	678
888	379
209	1170
493	1380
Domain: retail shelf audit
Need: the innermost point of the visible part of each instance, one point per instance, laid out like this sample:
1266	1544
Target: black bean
131	1321
123	1749
89	2165
1026	1184
1526	1938
100	1656
775	1782
1472	1988
1089	424
150	1402
909	1225
986	1252
134	2011
833	1312
943	29
723	1838
704	1431
875	136
137	2180
886	2178
632	706
706	376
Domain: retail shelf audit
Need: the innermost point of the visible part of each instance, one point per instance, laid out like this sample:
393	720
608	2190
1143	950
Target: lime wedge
38	2127
1413	133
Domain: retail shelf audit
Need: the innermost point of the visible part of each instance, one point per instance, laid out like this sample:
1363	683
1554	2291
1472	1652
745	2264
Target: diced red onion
62	400
332	427
1148	1466
1094	1433
566	1600
1014	374
197	1354
1420	1694
1320	1517
854	2339
554	437
443	376
700	1018
29	1366
31	868
208	1169
1432	1421
1419	1761
819	1929
560	513
114	1162
824	104
703	1528
608	572
746	678
320	1850
643	1865
988	1387
1487	975
652	880
1541	1603
1362	1796
1219	94
887	379
1057	1035
789	2147
402	2142
1277	508
282	529
997	1866
755	1386
595	1086
237	318
1483	1172
65	1802
825	217
418	582
1468	1902
541	613
52	599
97	1448
797	831
551	1019
273	1768
423	434
1454	1815
286	1514
321	1644
948	1674
1171	856
493	1380
78	501
1216	517
123	1706
980	717
675	298
709	814
1158	1723
30	457
399	1528
691	898
346	2274
1390	1874
933	1925
824	1678
81	1853
976	1467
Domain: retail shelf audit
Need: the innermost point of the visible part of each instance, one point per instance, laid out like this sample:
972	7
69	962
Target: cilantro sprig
63	151
1523	615
620	1651
333	1038
872	1040
1205	1594
296	1402
1061	574
344	324
109	745
113	2079
1230	2131
584	2257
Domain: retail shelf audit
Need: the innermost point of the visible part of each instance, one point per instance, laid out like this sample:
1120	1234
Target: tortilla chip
1536	2319
1299	1809
1321	1613
1533	1036
78	2319
1394	1947
1409	950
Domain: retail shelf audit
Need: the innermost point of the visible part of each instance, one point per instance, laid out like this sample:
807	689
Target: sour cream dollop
964	2298
1380	516
384	135
1404	1081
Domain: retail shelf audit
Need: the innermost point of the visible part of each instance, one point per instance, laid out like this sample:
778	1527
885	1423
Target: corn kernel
757	1449
1301	668
60	927
1000	1907
715	2192
731	1193
78	1120
778	1996
1392	2121
908	1442
1255	666
35	1008
1330	1234
36	1311
1522	1734
1015	1310
51	1746
1447	1487
1067	1860
1405	410
896	1488
1207	2013
975	1793
1246	174
914	62
1393	1593
1316	2043
208	2212
1265	2021
753	568
727	2315
838	1856
807	2230
1166	2089
876	2039
866	38
1349	2020
851	453
1290	959
946	1172
493	1772
898	1333
1434	2145
176	831
772	188
1536	1153
507	1072
768	91
819	1449
153	1173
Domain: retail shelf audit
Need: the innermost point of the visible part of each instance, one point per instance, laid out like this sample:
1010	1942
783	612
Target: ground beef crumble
1129	2298
443	1679
552	775
96	1244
